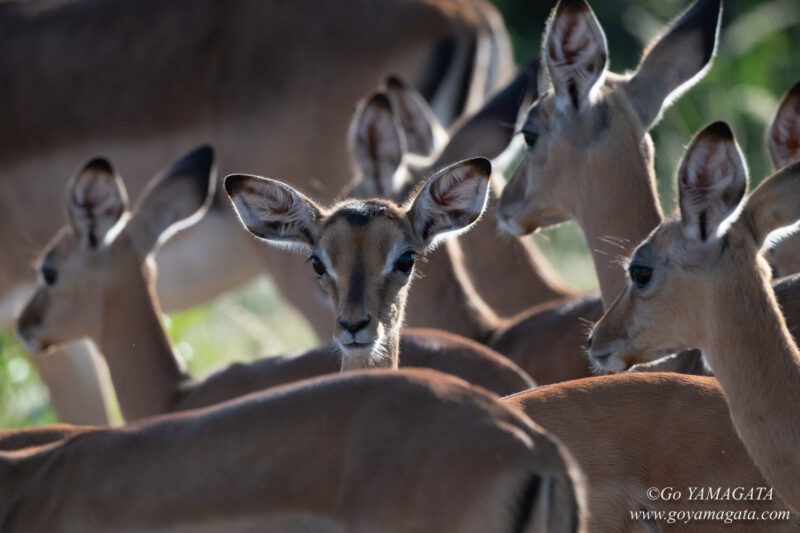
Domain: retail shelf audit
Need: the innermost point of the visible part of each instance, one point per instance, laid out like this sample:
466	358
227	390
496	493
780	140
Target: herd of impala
515	417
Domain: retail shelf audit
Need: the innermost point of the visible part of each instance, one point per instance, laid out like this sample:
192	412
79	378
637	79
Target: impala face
364	260
688	265
587	135
363	251
105	247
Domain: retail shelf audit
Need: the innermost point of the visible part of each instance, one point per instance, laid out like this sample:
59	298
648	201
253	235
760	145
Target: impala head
696	257
395	140
104	245
783	143
363	251
587	134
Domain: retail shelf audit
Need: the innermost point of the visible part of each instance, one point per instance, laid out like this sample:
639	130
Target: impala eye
530	138
405	263
316	264
49	275
640	275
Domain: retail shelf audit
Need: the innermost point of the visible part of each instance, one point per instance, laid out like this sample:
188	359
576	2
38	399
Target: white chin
610	365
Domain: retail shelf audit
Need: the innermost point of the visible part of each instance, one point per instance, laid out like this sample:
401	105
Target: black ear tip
719	131
381	101
794	91
572	6
99	164
395	83
198	161
482	165
233	183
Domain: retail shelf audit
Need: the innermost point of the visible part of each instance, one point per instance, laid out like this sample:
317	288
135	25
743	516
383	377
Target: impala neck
756	361
527	278
615	221
146	374
458	307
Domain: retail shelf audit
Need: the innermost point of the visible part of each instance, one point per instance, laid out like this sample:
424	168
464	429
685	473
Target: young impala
698	281
207	73
99	264
587	135
547	340
363	251
407	451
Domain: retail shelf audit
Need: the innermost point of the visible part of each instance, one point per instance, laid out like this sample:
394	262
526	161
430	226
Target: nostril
355	328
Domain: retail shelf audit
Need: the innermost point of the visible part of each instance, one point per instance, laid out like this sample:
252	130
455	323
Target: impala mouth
512	227
605	362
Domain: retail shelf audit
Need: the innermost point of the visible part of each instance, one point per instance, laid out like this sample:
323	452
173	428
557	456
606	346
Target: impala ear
174	200
273	211
96	201
421	128
774	205
783	137
377	145
576	53
675	60
488	132
451	200
712	180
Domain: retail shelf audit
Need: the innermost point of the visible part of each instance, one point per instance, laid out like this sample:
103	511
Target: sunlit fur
715	294
590	150
358	244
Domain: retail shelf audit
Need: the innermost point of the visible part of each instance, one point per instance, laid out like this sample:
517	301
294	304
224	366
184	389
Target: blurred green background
755	64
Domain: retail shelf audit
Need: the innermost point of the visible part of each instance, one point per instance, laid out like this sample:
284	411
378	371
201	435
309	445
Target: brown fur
689	441
581	153
738	327
315	456
114	288
213	71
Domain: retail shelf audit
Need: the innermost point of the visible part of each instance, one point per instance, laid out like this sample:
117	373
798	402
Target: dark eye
530	138
640	275
316	264
405	263
49	275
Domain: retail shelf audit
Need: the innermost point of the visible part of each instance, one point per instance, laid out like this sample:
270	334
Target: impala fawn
364	451
698	281
364	251
100	265
192	79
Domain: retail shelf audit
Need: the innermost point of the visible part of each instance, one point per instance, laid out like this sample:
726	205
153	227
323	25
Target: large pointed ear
96	200
377	145
774	204
675	60
273	211
783	137
421	128
712	180
174	200
488	132
451	200
576	53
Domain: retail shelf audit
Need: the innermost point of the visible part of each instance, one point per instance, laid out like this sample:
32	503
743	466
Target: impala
546	340
587	135
332	454
698	281
783	143
99	264
364	251
634	431
245	75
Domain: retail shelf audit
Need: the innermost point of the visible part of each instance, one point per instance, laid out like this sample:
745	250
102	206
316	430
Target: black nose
354	328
